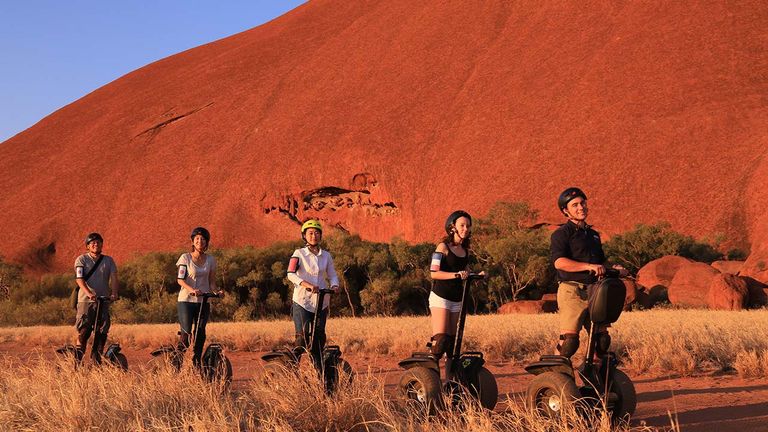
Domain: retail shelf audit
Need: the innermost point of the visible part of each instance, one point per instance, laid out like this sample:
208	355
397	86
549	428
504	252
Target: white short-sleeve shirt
194	275
315	269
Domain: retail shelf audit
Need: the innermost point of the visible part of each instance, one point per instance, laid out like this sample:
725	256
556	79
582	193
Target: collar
586	226
307	252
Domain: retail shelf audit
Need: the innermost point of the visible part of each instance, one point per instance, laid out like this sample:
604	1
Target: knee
441	343
602	343
568	344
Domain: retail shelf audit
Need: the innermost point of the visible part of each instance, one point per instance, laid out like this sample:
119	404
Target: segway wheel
626	400
549	393
220	371
120	361
339	374
483	386
171	361
421	388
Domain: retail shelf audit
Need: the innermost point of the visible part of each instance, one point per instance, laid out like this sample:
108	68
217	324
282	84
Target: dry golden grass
684	342
47	396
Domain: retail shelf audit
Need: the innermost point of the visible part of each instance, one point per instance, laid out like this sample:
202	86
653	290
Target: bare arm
86	289
444	275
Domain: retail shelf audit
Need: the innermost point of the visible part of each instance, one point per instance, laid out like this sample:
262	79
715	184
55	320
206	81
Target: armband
182	272
437	257
79	272
293	265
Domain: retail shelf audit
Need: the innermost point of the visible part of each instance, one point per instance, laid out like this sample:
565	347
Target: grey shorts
572	308
86	317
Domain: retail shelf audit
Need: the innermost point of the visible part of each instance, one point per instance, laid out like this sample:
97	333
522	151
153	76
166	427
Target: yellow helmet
312	223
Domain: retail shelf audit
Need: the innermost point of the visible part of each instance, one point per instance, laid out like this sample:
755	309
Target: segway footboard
551	363
420	359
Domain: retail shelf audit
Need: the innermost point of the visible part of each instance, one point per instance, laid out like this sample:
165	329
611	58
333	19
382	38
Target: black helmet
567	195
94	236
201	231
452	220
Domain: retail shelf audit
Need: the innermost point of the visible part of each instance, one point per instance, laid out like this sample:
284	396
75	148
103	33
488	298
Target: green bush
645	243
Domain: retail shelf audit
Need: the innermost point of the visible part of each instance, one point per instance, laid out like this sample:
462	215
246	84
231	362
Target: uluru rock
660	272
691	283
756	265
727	292
528	307
388	97
732	267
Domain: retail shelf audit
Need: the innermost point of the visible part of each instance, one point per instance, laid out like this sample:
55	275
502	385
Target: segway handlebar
326	291
206	295
472	276
103	298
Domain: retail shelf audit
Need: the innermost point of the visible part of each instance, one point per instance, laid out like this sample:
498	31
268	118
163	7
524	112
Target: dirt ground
716	402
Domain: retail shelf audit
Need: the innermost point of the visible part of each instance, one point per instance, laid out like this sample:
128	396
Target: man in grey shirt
101	282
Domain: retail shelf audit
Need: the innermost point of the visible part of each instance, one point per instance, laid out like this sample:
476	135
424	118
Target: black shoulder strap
93	269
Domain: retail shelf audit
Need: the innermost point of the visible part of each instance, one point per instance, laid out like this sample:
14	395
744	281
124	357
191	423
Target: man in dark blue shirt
578	257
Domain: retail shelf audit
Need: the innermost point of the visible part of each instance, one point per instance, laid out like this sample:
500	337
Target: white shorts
438	302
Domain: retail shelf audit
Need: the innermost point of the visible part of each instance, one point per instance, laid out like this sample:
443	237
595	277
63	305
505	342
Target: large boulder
528	307
727	292
550	297
733	267
631	296
756	265
661	271
758	292
691	283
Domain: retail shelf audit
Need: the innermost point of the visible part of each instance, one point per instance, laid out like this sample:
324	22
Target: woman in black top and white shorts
448	269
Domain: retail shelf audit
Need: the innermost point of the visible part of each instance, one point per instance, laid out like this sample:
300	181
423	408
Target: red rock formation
732	267
660	272
380	117
727	292
631	296
691	284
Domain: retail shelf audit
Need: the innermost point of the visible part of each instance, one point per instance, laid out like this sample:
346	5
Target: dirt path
718	403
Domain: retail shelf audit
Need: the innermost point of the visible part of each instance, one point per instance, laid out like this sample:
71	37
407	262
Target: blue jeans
188	313
302	321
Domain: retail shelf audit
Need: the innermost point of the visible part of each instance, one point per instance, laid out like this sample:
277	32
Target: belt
578	285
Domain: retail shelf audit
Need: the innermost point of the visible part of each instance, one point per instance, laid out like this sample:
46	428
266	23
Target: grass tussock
48	396
684	342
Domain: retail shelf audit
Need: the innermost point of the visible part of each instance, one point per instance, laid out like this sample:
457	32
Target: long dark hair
465	242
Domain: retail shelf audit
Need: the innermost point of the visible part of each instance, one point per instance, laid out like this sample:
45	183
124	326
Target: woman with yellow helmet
310	269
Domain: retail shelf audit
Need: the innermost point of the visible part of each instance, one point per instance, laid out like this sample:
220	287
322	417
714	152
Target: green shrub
646	243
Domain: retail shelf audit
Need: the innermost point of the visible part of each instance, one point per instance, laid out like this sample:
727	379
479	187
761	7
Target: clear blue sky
52	52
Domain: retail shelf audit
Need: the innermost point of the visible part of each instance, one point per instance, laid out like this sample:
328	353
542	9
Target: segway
464	372
327	360
112	353
602	384
215	366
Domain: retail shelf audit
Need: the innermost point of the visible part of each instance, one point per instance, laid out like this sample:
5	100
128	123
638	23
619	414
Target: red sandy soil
382	116
718	403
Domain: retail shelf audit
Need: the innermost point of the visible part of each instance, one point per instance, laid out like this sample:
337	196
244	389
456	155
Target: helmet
312	223
94	236
569	194
452	220
201	231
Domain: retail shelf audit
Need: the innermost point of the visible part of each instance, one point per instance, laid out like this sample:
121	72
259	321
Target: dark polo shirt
579	244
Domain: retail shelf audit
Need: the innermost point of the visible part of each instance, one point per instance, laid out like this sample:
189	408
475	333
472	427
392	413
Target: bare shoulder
442	248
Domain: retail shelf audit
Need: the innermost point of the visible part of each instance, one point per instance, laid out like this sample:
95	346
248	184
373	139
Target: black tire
484	387
421	389
627	397
550	392
338	375
166	361
220	371
120	361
